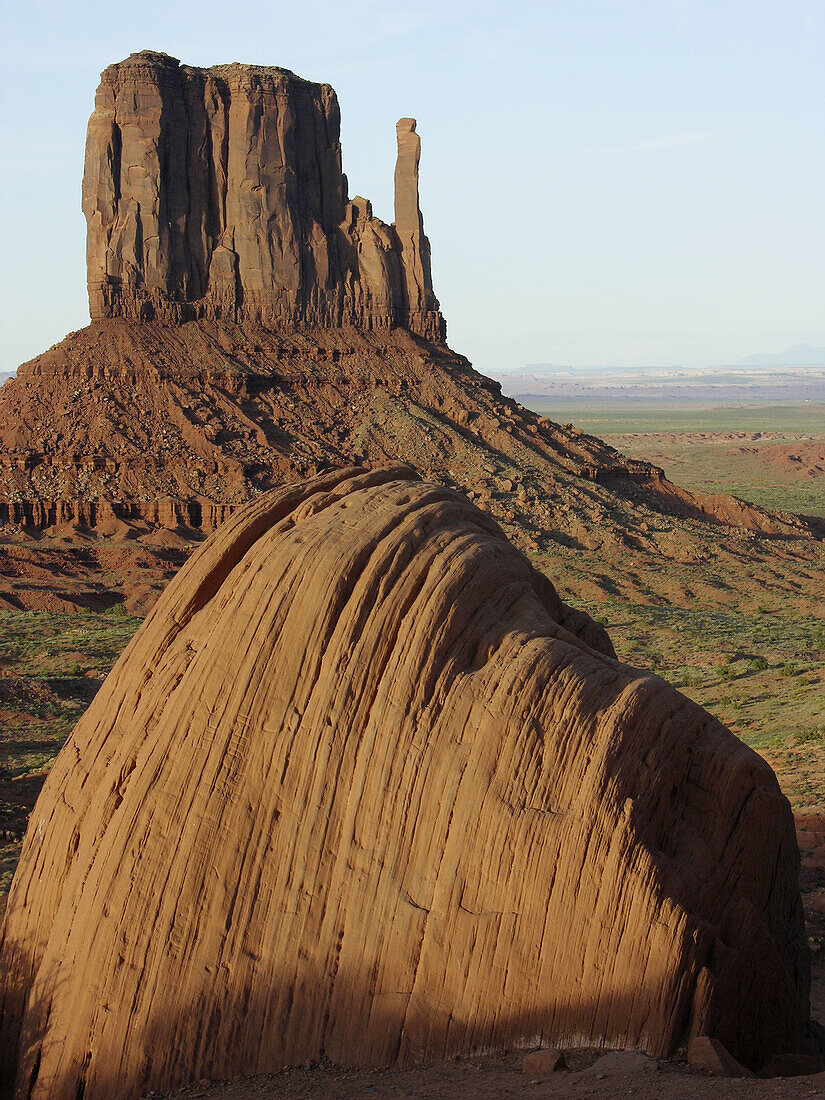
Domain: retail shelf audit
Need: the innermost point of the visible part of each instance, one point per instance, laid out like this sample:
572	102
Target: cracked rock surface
362	788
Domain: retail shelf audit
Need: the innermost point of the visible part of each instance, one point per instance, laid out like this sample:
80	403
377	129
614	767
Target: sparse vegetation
51	666
747	668
714	450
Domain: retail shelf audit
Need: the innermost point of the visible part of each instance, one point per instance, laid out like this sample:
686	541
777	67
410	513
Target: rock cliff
219	193
363	788
253	326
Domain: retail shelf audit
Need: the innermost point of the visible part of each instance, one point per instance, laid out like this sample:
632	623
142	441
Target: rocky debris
174	426
219	193
363	789
543	1061
622	1063
705	1052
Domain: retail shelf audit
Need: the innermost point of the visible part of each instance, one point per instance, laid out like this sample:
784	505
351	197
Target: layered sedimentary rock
219	193
129	441
253	325
363	788
409	224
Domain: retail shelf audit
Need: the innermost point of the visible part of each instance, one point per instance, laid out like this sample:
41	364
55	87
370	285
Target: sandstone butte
252	325
363	788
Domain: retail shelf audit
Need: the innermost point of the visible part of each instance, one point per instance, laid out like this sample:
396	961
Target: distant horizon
743	366
756	363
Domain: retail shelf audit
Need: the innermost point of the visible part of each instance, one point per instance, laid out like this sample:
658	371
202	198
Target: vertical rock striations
409	224
218	193
363	788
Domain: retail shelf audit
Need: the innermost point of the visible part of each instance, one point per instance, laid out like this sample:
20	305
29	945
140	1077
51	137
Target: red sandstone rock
708	1053
409	224
543	1061
360	789
219	193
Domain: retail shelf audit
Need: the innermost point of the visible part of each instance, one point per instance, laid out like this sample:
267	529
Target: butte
251	325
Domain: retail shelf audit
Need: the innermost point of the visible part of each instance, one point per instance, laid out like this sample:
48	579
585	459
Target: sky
625	182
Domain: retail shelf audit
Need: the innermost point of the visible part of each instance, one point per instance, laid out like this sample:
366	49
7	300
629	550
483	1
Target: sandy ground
491	1077
500	1076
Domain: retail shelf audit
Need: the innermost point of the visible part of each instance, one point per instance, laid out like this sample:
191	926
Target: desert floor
503	1076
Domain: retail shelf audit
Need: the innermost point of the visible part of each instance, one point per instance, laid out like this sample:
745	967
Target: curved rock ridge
219	193
363	788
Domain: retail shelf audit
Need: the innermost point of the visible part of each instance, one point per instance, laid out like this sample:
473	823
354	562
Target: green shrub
813	733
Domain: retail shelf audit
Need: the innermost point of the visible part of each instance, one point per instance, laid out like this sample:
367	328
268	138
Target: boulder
362	788
543	1061
705	1052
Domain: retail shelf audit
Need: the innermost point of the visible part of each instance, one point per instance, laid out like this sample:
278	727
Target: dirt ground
500	1076
503	1076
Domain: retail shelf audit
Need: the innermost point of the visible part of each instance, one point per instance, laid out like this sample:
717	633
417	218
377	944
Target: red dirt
805	459
498	1077
126	443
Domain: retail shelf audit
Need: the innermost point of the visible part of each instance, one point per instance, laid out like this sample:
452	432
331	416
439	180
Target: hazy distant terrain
800	356
664	386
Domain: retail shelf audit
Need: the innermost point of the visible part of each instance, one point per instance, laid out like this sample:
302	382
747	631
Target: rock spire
218	193
409	224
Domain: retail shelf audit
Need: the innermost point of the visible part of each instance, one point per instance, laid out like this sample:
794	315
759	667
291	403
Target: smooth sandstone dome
363	788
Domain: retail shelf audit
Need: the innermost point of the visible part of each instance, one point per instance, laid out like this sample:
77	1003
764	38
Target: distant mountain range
746	383
803	355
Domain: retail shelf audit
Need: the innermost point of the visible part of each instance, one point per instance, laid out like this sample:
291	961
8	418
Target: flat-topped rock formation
219	193
363	788
254	325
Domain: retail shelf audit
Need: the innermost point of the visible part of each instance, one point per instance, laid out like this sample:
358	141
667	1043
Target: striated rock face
409	225
363	788
219	193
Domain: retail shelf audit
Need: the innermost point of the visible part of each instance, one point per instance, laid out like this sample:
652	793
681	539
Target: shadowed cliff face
362	787
218	193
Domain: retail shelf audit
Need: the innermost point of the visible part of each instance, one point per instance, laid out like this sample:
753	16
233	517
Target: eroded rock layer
219	193
363	788
253	326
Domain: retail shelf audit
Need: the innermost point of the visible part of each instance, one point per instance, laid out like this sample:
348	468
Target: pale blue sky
603	181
